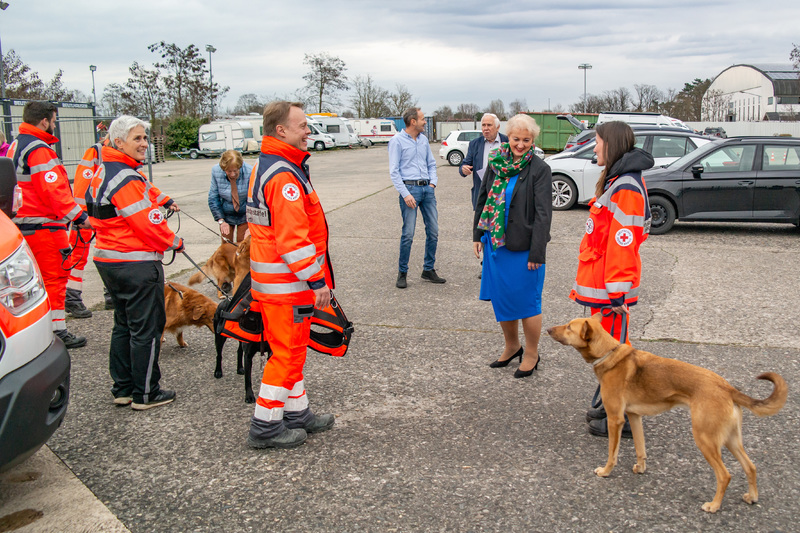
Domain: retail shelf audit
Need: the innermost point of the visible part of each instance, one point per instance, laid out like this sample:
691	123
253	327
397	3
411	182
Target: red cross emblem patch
624	237
155	216
291	192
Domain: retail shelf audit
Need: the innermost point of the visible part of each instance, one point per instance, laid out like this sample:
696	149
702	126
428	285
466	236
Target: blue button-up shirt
410	159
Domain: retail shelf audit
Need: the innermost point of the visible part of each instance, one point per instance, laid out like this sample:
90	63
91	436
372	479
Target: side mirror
594	159
697	170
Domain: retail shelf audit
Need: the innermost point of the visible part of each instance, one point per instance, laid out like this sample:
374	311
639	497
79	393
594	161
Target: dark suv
740	179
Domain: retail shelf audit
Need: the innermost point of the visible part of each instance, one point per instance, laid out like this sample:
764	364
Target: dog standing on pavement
186	307
220	266
637	383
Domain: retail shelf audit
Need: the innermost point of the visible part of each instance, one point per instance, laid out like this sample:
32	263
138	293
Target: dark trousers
137	290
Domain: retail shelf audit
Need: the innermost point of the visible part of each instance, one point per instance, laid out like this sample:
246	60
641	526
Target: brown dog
220	266
241	263
186	307
637	383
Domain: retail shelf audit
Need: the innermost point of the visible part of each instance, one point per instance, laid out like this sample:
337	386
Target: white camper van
318	139
374	130
219	136
339	128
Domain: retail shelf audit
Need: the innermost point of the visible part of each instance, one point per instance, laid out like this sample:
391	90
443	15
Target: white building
751	93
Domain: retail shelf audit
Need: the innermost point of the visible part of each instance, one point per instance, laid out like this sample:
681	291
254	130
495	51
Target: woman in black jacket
512	228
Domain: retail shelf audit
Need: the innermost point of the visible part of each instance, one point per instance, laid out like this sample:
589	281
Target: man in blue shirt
413	172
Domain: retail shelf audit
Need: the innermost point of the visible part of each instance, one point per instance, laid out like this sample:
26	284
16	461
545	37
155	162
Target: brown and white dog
186	307
637	383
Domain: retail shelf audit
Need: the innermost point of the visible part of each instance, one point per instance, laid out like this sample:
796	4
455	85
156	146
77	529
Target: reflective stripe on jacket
123	209
609	267
289	247
88	165
46	194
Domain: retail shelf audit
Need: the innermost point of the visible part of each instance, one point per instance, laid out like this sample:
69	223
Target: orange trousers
46	246
286	328
79	257
616	325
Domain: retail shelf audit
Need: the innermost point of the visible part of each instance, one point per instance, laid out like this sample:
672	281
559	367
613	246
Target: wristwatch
221	221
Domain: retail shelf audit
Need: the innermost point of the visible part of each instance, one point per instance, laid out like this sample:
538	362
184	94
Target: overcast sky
446	53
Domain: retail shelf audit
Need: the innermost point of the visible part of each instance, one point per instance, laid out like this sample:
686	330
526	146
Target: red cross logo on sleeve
624	237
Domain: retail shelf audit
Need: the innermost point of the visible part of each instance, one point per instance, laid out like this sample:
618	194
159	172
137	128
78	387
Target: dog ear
197	312
598	316
586	331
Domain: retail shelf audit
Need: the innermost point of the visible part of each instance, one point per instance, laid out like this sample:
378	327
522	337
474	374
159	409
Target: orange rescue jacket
89	164
123	209
47	200
289	247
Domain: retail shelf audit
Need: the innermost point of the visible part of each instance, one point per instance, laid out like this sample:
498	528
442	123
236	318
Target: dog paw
639	469
602	471
710	507
218	374
249	398
749	499
184	345
240	371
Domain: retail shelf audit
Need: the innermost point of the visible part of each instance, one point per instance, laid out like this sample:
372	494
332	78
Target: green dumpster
555	132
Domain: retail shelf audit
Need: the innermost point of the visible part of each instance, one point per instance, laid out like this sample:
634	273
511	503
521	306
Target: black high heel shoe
525	373
499	363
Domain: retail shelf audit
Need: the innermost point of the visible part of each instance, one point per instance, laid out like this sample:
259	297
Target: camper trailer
337	127
219	136
374	130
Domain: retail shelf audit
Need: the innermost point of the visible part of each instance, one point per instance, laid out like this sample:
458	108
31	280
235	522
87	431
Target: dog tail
197	277
768	406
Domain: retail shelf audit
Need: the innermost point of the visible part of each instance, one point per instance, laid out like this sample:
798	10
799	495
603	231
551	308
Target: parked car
576	172
319	140
716	132
454	147
642	118
740	179
34	364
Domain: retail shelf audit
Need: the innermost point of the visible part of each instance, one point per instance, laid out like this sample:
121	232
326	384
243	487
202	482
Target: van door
725	187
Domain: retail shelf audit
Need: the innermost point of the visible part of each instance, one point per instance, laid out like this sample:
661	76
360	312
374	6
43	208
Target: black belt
421	183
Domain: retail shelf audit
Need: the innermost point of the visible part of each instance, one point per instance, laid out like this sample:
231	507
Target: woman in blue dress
512	228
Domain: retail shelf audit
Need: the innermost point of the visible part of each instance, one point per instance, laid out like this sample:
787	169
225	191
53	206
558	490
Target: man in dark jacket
478	152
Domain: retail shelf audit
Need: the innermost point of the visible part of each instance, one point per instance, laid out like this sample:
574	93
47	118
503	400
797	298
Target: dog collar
605	356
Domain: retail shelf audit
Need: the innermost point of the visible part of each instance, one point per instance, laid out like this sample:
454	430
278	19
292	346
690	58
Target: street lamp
94	94
210	49
3	6
584	67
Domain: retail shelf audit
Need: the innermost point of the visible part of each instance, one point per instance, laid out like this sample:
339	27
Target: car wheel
663	213
319	146
565	193
455	158
193	154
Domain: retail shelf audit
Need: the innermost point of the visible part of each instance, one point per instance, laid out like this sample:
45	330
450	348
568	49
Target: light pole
210	49
584	67
94	94
3	6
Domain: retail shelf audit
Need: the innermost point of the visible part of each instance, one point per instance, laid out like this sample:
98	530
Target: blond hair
523	123
231	159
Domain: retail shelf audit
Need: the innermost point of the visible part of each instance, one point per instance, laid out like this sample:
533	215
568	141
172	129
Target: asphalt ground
427	436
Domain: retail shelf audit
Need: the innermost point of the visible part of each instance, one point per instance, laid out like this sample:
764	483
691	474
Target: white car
319	141
454	147
575	173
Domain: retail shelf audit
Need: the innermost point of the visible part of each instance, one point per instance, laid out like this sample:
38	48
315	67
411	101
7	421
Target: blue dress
515	291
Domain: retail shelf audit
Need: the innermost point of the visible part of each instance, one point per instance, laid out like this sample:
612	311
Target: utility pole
210	49
94	94
584	67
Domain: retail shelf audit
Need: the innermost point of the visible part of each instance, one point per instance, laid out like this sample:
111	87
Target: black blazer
529	212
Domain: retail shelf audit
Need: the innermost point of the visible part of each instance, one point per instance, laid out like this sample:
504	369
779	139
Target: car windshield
691	156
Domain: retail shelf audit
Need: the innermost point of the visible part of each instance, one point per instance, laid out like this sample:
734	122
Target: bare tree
112	100
145	92
369	100
497	107
517	106
400	100
443	113
647	97
249	103
794	56
21	81
617	100
558	108
325	77
593	104
715	106
468	112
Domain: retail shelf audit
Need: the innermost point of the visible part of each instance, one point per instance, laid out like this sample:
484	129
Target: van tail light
444	143
21	286
16	202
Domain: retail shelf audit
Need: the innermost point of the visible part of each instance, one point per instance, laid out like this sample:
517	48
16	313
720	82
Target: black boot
401	280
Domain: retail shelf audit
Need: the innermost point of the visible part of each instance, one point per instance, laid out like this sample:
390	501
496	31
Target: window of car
466	136
778	157
729	159
209	136
386	127
669	146
640	141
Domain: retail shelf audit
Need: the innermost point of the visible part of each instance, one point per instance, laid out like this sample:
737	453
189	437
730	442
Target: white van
646	118
221	135
374	130
339	128
318	139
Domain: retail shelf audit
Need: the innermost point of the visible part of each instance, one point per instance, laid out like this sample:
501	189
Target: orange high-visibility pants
46	246
79	257
286	328
616	325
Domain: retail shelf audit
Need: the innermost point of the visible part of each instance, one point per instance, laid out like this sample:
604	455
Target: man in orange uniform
291	275
79	239
47	206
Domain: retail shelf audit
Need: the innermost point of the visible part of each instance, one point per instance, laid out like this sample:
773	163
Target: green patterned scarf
493	216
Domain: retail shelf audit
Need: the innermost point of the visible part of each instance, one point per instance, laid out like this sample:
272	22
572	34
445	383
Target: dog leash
174	288
206	275
224	238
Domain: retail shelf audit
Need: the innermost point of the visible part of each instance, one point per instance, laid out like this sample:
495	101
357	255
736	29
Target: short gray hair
496	120
122	126
523	123
412	113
